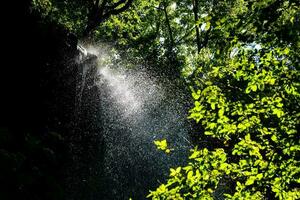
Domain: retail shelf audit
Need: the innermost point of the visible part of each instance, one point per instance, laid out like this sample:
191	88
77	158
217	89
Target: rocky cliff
47	124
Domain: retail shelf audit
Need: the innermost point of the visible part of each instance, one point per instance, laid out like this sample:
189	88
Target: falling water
138	108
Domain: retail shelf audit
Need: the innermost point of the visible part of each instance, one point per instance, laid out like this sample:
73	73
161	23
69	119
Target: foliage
196	180
142	32
42	6
81	17
70	14
162	145
246	98
252	106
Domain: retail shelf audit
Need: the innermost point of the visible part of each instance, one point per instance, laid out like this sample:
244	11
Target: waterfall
137	108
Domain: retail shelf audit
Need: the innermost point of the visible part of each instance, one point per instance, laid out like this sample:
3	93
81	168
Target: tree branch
119	10
195	10
99	13
97	3
115	5
168	24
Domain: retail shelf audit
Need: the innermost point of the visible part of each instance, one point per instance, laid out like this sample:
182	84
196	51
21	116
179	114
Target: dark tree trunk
168	25
98	13
196	10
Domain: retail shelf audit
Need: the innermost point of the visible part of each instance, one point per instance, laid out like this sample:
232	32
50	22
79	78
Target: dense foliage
246	100
251	109
82	17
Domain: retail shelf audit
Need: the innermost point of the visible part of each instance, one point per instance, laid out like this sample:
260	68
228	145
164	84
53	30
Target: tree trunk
196	10
99	13
168	25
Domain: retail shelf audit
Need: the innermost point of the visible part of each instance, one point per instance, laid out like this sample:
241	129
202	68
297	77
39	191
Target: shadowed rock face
87	145
44	150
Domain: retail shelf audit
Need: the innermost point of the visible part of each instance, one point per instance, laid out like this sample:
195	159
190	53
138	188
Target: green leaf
274	138
259	176
196	96
213	106
272	81
221	112
190	175
175	172
207	26
247	137
248	90
163	145
208	133
253	87
286	51
250	180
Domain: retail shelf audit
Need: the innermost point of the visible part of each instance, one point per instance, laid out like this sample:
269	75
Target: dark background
40	158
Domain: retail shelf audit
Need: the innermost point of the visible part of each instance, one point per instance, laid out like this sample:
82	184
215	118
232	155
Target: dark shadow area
40	156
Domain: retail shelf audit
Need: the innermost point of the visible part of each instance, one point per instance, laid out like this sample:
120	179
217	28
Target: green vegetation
240	59
82	17
246	99
250	107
